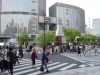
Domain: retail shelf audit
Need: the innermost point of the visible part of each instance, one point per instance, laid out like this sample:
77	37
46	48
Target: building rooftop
66	4
59	31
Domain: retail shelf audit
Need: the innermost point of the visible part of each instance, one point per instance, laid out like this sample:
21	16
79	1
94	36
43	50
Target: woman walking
96	50
52	49
33	56
89	48
48	53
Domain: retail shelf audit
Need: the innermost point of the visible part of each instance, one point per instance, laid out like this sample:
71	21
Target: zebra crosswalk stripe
31	52
39	52
29	70
82	66
25	67
67	67
51	68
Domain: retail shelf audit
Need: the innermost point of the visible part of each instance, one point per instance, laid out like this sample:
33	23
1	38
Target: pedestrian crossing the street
24	68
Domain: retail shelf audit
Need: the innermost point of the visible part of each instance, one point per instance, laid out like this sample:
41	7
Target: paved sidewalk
80	71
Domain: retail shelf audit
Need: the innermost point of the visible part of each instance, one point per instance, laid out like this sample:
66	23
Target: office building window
67	9
67	6
67	13
25	13
33	9
33	1
62	5
14	13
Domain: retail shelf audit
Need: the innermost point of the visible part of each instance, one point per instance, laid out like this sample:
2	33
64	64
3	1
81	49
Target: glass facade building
69	16
96	24
20	16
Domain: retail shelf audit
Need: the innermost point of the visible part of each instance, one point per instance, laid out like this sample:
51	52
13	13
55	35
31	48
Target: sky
91	7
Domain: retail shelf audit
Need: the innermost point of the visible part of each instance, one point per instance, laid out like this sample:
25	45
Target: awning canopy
47	23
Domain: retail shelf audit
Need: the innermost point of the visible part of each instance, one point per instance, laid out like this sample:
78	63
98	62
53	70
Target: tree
88	38
23	38
49	38
71	34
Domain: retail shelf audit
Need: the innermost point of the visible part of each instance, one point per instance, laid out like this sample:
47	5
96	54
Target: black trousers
11	68
1	67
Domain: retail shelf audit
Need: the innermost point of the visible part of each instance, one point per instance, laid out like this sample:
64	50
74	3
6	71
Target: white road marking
74	58
51	68
82	66
39	52
37	68
67	67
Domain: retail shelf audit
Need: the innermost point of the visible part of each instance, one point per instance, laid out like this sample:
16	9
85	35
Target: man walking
20	51
12	57
33	56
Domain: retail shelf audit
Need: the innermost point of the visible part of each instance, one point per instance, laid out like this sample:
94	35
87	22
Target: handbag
31	63
47	53
41	68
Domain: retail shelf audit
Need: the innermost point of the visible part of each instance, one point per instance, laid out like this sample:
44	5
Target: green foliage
49	38
89	38
23	38
71	34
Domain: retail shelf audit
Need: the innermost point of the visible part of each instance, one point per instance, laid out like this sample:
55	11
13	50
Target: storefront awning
47	23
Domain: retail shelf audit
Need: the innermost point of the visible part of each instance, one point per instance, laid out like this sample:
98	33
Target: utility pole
44	30
18	34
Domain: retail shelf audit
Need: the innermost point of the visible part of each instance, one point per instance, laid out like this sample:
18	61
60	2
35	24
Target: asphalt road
57	63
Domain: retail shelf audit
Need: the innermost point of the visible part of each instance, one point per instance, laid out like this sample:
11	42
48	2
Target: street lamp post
4	36
44	30
18	34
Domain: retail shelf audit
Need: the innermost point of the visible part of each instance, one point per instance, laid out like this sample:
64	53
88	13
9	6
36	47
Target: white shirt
80	47
17	53
71	47
57	47
3	52
1	58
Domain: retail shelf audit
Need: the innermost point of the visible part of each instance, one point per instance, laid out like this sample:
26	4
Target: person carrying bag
33	56
44	62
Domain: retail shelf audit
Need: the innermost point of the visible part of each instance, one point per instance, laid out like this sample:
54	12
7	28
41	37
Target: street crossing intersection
24	68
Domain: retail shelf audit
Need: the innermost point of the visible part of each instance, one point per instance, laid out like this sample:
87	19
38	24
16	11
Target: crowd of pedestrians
84	49
7	61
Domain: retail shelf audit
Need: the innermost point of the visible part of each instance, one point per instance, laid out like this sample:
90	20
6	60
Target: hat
8	56
1	53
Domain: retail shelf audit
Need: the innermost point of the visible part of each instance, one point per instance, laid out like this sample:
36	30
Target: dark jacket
20	51
2	64
30	47
7	64
11	55
44	57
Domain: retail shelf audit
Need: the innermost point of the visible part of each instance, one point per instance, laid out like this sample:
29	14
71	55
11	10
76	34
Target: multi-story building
69	16
16	12
96	24
94	31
